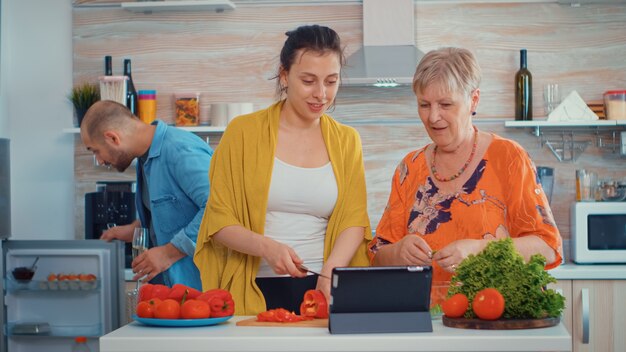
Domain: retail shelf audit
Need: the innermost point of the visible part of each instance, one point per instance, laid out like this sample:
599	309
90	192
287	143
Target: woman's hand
323	283
451	255
282	258
412	250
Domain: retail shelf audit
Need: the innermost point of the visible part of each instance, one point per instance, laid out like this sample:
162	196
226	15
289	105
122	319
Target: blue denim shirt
177	174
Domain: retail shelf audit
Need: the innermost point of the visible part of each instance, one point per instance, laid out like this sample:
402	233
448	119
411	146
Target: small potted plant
82	97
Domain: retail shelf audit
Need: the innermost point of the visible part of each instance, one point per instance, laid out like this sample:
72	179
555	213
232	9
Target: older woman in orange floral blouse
450	198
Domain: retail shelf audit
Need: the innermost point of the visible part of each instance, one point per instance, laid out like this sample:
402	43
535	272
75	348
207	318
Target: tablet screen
380	289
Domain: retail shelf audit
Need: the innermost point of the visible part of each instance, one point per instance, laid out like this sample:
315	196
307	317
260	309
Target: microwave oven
598	232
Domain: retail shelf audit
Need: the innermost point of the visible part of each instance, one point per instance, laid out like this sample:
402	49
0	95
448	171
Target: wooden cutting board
502	324
315	323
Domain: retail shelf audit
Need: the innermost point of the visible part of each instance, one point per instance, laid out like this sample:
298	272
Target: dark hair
320	39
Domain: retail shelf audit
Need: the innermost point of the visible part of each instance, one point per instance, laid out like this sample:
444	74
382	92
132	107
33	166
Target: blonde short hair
456	69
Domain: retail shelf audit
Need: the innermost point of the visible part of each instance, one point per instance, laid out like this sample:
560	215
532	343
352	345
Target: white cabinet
595	314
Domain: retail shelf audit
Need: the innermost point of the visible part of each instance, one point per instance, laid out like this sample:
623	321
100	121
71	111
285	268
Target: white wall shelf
563	138
194	129
182	5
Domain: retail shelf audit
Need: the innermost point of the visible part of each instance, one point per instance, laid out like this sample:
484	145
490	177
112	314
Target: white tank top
300	203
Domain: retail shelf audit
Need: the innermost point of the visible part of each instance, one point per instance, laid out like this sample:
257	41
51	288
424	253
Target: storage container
615	104
187	109
147	105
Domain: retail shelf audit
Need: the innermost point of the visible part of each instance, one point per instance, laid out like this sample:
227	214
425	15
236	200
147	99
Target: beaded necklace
469	160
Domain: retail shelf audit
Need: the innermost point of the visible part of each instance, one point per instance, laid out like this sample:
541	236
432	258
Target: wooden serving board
315	323
502	324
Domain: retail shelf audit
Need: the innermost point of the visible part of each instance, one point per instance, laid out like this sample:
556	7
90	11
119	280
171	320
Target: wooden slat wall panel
230	57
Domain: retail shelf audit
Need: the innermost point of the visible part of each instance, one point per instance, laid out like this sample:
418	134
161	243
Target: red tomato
145	309
488	304
314	305
168	309
145	292
194	309
455	306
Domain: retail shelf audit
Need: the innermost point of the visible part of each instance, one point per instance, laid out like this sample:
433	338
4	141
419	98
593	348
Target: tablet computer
380	299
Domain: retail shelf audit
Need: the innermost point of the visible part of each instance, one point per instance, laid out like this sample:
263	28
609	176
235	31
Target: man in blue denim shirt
172	187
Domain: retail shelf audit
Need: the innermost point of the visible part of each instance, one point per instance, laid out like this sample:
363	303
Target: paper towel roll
246	108
234	110
237	109
219	114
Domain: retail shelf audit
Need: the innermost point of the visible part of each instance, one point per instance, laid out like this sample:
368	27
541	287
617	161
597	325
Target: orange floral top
503	197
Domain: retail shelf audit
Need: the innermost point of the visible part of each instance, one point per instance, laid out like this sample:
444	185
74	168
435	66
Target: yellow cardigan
239	176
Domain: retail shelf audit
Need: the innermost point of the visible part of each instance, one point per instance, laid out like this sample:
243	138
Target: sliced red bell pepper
280	315
314	305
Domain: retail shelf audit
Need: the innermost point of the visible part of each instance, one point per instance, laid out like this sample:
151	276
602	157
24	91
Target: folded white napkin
573	107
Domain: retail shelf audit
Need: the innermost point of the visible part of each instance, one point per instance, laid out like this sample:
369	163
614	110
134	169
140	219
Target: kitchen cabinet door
564	287
598	315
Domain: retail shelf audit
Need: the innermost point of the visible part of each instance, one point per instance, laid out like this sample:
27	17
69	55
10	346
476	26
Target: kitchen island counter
229	337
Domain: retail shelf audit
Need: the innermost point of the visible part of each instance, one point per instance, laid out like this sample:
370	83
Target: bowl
23	274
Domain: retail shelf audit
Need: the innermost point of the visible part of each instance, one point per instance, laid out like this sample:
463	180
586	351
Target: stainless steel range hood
389	56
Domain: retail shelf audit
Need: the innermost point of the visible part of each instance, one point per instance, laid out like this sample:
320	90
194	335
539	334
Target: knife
304	268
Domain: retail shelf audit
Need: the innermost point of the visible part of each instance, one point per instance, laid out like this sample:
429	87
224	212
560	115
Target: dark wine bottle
108	66
131	93
523	90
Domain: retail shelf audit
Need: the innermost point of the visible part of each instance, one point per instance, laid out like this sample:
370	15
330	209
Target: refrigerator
78	289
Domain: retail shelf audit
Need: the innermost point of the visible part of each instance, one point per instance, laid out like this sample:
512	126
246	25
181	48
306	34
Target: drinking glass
140	243
551	97
586	185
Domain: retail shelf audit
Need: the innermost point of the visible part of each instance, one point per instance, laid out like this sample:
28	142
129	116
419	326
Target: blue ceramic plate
180	322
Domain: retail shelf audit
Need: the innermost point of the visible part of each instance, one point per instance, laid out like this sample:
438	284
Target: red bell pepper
145	292
314	305
216	292
221	307
221	302
177	292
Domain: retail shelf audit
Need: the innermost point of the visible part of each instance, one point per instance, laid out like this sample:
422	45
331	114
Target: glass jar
187	109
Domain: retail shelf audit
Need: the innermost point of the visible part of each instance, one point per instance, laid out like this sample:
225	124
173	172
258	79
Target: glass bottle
131	93
523	91
108	66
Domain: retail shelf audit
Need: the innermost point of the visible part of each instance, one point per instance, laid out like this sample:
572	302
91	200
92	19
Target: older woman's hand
412	250
451	255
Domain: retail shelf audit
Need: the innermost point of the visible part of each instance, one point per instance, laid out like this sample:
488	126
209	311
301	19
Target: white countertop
572	271
229	337
569	271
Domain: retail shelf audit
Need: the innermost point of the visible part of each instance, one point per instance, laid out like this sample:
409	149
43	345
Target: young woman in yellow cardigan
287	187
